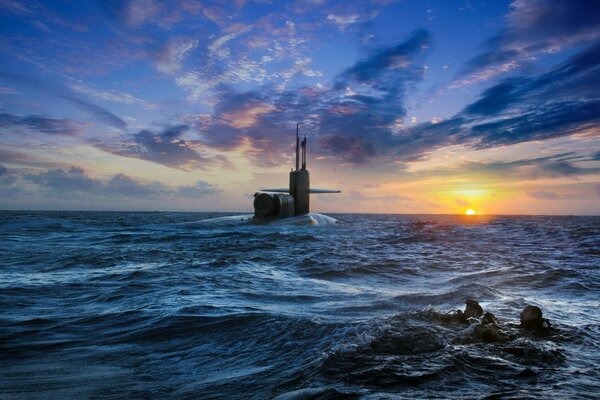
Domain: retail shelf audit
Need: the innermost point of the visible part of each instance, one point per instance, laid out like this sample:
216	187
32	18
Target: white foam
308	219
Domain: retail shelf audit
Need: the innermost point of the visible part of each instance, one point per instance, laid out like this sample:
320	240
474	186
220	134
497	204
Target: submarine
276	204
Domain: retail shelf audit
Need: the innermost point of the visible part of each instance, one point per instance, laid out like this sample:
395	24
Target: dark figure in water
473	309
485	327
532	319
489	318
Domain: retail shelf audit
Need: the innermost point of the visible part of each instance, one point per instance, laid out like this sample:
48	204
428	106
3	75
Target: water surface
183	305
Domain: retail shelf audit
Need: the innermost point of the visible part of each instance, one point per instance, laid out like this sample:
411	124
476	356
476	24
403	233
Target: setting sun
470	211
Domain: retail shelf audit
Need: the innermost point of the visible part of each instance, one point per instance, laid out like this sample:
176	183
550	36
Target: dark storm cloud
75	180
41	124
165	147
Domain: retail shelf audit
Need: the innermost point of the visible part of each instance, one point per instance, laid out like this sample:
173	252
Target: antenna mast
304	152
297	149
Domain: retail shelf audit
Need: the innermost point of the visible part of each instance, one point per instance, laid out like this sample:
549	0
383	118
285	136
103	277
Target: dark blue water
169	305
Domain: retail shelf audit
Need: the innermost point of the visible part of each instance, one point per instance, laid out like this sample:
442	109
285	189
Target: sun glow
470	211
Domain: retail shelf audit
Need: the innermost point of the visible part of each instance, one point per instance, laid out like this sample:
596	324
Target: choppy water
168	305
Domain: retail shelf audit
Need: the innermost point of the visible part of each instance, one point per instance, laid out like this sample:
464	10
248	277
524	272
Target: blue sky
409	106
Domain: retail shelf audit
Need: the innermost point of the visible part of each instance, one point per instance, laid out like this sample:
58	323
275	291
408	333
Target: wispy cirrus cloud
171	56
110	95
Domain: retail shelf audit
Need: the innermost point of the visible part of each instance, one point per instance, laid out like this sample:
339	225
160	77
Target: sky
408	106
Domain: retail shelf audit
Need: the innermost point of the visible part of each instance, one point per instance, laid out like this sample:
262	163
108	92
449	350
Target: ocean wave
187	305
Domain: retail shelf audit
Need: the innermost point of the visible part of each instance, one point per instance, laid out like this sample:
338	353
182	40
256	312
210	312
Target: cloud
350	149
357	115
499	97
360	116
63	92
50	126
243	111
138	13
537	123
7	90
357	196
543	195
110	95
72	180
199	189
560	102
562	165
399	57
100	113
343	21
533	27
555	22
166	147
172	55
15	6
64	183
3	170
557	169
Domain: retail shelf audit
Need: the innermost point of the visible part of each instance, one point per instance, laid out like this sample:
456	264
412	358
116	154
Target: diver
532	320
484	327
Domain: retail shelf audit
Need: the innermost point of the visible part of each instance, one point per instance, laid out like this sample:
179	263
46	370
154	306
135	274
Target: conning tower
297	200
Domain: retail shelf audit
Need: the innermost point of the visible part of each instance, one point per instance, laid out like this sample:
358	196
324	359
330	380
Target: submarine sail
271	204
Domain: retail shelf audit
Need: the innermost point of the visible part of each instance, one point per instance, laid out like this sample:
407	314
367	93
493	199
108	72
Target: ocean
165	305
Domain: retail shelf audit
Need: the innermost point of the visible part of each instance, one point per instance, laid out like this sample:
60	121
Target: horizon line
334	213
